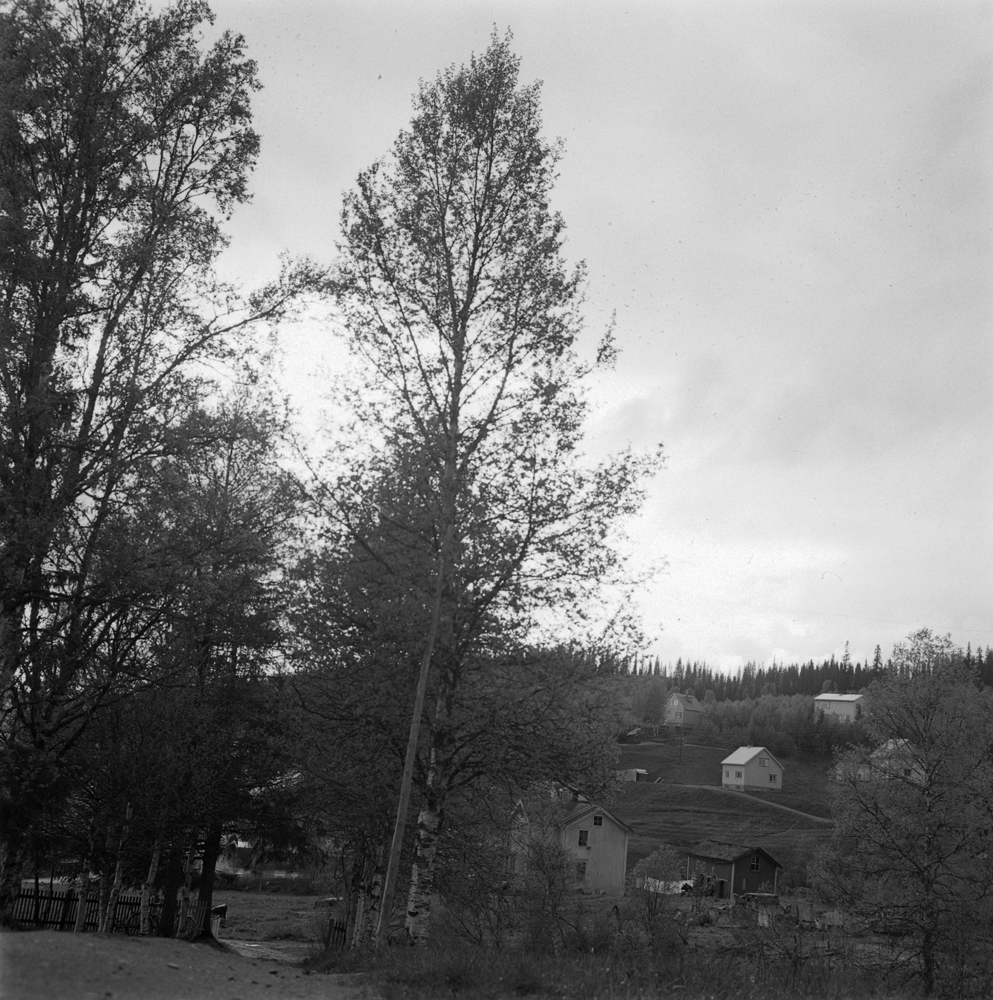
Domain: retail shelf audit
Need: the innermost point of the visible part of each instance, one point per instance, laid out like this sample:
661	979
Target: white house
593	839
897	758
752	768
841	706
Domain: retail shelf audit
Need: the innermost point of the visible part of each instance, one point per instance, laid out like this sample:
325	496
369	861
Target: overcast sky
788	204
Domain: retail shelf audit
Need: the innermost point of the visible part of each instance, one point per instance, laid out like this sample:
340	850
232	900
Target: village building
731	869
751	769
592	837
682	710
895	758
846	707
632	774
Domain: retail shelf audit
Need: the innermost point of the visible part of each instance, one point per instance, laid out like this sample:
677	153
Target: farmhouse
594	840
752	768
682	710
731	868
893	759
847	707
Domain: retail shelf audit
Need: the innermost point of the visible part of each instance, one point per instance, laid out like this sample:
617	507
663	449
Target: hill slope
683	803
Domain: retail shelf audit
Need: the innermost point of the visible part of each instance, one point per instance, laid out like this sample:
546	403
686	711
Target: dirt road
765	802
52	965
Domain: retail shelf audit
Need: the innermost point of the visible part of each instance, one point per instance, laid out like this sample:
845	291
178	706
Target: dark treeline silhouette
753	680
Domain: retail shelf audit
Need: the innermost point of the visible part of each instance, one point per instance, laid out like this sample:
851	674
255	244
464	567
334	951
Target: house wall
846	710
605	854
720	871
676	715
753	775
738	876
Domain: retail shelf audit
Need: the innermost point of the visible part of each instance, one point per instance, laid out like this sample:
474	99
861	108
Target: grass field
267	916
672	812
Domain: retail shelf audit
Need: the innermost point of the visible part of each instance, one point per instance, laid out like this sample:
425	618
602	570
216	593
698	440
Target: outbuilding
726	869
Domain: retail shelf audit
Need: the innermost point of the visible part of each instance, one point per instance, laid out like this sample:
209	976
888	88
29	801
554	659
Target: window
772	778
754	863
581	871
584	836
737	774
763	761
727	773
598	821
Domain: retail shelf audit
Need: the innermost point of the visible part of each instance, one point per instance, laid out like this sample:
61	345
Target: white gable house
752	768
842	706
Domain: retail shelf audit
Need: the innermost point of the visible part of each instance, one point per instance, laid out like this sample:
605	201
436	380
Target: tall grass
450	969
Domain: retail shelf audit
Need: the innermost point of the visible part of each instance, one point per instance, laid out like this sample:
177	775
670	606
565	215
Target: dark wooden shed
731	868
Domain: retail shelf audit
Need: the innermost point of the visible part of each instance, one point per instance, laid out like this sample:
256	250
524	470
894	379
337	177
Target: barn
727	869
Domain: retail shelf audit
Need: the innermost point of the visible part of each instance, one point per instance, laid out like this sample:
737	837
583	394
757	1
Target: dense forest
753	680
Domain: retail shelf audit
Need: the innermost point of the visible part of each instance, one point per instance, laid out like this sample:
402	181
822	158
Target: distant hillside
674	812
805	774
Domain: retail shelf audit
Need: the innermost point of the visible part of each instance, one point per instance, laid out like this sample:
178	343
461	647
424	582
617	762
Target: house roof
744	754
687	701
580	810
716	850
900	747
837	697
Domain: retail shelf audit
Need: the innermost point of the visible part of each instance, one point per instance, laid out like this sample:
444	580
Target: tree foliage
465	499
914	821
124	144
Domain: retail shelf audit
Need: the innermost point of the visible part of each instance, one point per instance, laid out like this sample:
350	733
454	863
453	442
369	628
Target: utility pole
400	825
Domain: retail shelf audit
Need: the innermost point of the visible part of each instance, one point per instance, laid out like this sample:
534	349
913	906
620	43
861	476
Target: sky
787	205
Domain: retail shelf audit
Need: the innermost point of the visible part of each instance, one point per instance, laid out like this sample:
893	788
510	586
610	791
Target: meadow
682	803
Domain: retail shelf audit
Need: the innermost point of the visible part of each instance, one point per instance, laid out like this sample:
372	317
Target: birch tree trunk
370	900
418	918
205	897
146	890
115	891
84	893
103	900
184	894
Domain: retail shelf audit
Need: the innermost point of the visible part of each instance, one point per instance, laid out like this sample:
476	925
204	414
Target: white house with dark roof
753	769
842	706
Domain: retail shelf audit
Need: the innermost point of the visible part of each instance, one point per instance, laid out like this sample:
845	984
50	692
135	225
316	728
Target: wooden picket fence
55	908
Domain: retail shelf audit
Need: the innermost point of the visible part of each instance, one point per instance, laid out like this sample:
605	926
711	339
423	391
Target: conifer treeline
754	680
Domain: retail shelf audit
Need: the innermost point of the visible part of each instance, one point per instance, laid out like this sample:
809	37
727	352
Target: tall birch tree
463	316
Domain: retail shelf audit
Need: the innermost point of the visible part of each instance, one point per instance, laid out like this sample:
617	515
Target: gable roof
837	697
580	810
687	701
744	754
717	850
893	748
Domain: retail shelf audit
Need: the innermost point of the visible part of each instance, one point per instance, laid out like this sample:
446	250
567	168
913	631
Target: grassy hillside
805	774
671	810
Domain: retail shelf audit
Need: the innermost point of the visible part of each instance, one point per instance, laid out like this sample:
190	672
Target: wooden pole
400	826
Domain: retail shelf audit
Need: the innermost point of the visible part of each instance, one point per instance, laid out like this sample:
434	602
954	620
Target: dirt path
765	802
52	965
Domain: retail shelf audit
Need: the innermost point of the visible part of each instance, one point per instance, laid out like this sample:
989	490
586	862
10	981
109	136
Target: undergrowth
455	970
